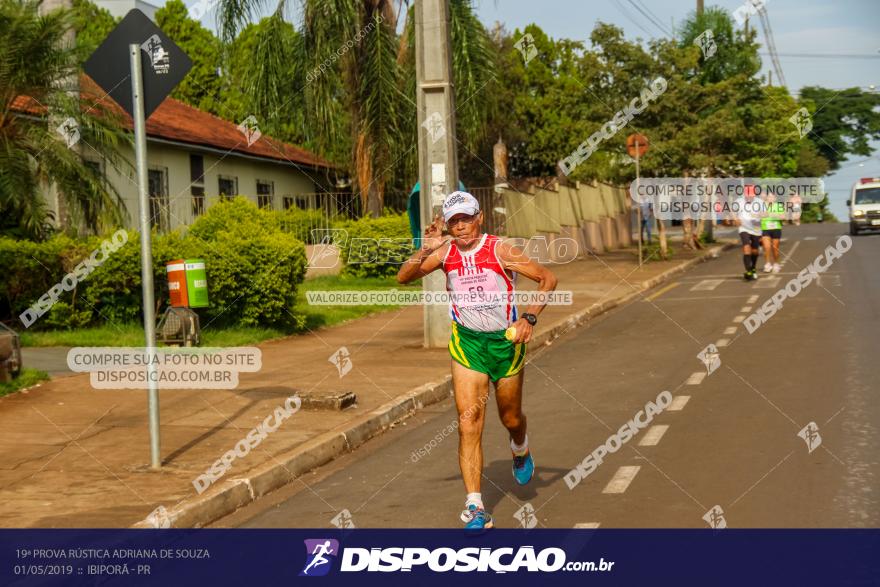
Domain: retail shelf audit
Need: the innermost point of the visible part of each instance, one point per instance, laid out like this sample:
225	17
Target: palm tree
355	80
38	96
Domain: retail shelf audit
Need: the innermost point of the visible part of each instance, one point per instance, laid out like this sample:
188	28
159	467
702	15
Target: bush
31	268
253	271
300	224
63	316
238	213
375	247
252	279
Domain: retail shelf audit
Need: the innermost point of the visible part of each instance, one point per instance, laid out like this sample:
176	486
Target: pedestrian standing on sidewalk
647	220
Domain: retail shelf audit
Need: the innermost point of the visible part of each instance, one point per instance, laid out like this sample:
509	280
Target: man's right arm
423	261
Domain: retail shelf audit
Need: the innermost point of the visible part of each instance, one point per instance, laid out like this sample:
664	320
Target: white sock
474	499
520	450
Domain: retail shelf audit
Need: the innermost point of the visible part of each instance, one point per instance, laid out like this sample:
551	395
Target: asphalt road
732	444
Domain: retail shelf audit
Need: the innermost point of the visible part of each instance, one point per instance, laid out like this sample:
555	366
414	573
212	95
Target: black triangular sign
164	64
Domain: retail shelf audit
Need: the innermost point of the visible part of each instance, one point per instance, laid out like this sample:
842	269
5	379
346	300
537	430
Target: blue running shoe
476	519
523	468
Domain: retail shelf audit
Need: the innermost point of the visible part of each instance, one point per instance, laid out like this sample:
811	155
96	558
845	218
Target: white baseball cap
459	203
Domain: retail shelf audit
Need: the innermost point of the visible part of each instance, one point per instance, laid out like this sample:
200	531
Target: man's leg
776	250
508	397
471	395
768	253
747	251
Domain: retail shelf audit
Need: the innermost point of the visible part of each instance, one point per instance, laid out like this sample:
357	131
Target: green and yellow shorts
486	352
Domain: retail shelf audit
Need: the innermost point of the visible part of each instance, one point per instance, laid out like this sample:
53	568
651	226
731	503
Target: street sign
634	140
164	64
138	66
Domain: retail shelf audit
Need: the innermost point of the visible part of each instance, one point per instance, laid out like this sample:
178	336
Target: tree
735	52
36	73
350	75
241	97
92	25
201	86
844	122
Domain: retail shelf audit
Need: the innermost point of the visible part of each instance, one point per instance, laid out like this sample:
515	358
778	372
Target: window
227	186
197	187
265	193
197	169
287	202
198	200
95	166
157	186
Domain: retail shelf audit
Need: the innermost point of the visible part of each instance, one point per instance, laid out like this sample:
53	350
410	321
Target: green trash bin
196	283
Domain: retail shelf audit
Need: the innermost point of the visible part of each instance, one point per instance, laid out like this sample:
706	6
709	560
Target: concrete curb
229	495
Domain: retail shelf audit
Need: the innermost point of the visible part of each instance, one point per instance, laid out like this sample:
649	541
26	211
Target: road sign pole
140	152
638	204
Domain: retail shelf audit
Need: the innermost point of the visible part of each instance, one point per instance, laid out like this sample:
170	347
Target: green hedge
375	247
253	271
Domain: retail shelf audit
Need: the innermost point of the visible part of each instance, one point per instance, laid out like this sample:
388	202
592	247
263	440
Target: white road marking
722	342
587	525
809	238
829	281
678	403
746	309
653	435
790	253
707	285
622	478
766	283
739	319
752	299
730	330
686	299
696	378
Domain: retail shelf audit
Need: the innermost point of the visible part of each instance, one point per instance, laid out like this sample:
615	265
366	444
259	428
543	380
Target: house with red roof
196	159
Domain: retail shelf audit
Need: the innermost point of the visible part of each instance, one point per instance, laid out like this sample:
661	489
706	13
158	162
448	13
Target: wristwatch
530	318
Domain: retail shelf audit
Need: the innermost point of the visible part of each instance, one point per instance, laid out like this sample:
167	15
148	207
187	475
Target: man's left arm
514	259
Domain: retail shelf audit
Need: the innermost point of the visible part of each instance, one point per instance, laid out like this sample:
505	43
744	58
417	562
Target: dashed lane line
696	378
622	478
678	403
653	435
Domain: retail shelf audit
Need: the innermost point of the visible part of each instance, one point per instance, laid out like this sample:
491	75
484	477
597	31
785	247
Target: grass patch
26	378
309	318
322	316
104	335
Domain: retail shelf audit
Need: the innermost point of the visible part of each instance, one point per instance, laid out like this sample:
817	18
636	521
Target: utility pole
438	155
699	8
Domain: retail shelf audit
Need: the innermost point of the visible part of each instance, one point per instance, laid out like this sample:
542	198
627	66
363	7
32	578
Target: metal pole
140	153
639	204
438	155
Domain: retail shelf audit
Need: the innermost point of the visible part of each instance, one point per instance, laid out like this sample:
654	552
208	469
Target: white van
864	205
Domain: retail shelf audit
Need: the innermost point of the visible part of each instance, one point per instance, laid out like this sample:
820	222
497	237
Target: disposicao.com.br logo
320	554
442	560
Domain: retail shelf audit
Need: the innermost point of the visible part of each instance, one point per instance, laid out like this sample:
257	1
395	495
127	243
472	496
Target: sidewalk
78	457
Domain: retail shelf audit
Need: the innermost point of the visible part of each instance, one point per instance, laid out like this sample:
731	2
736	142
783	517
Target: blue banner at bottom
509	557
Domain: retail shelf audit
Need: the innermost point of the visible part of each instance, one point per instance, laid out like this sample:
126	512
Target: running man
771	233
480	274
319	552
748	218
